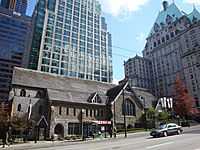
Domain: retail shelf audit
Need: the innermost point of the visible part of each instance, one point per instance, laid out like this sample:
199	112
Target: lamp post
82	125
178	119
114	120
124	105
28	116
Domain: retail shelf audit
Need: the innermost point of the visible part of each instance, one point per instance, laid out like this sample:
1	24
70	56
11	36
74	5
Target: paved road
189	140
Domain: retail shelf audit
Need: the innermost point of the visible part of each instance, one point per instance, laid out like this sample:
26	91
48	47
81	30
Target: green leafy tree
152	113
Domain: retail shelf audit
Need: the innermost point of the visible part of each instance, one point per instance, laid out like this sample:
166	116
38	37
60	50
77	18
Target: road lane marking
197	149
160	145
117	145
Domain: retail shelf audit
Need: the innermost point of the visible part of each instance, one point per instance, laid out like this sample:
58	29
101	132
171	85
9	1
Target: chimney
165	5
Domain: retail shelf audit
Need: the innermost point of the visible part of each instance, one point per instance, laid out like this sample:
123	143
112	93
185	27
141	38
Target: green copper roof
172	11
194	15
171	14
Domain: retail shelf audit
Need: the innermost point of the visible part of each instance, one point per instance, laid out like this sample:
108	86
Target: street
188	140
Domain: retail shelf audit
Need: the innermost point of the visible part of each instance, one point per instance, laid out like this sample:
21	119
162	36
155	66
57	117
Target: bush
67	138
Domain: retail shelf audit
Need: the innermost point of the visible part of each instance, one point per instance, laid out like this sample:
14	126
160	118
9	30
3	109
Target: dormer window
94	98
156	27
169	19
162	24
38	94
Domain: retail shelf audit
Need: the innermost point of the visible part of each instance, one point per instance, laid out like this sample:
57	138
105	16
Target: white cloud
116	81
121	8
197	2
141	37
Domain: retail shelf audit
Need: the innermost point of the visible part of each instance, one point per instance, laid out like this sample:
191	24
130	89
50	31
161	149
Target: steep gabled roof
61	88
32	78
172	10
114	92
194	15
174	13
149	98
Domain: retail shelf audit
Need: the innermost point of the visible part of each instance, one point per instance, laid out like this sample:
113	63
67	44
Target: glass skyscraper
15	38
19	6
70	38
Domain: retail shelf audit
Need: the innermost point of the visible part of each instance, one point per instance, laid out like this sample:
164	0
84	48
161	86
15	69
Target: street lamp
145	117
82	125
178	119
28	116
114	121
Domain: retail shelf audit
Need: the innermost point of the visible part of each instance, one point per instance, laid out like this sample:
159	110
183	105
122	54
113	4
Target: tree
151	113
183	100
5	119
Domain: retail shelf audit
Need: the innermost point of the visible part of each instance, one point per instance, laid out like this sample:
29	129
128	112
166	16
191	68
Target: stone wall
130	120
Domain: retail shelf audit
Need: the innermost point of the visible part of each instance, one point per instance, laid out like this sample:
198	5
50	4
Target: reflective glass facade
15	38
71	39
19	6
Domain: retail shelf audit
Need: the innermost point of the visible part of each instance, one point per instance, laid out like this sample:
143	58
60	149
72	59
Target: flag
171	102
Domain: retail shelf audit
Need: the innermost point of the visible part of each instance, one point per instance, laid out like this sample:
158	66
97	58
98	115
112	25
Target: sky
129	22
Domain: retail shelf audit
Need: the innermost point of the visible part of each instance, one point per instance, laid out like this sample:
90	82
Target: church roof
142	94
27	77
61	88
71	90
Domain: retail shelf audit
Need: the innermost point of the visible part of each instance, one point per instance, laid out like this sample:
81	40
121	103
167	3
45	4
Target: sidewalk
46	144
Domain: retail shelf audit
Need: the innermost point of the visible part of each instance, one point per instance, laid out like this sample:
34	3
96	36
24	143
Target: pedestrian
100	134
5	137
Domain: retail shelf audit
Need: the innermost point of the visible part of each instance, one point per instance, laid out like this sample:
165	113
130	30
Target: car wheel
154	136
178	132
164	134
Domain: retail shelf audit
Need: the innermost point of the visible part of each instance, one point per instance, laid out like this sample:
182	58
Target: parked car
166	129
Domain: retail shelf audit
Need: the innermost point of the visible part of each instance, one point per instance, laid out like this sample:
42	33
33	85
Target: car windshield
162	126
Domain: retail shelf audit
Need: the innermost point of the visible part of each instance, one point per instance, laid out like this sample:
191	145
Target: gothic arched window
158	42
128	107
172	34
19	107
163	39
154	44
167	37
177	32
23	93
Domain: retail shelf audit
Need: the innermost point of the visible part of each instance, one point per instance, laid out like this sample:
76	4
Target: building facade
15	38
139	72
19	6
172	47
73	106
70	38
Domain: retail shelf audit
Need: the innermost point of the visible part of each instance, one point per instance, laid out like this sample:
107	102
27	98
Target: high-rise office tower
70	38
15	38
173	47
19	6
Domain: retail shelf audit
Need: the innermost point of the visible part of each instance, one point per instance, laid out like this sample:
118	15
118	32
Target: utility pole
114	121
124	105
145	116
82	124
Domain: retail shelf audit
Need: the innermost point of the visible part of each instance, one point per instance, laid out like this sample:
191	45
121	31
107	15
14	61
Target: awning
97	122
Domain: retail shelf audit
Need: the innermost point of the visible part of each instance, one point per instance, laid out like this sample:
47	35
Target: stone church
70	106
